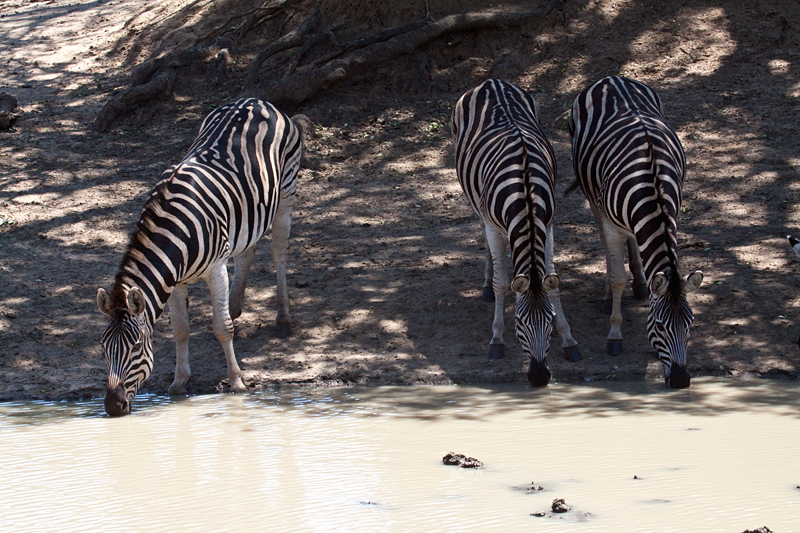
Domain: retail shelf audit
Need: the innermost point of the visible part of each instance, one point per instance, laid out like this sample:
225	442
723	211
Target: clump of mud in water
560	506
531	488
457	459
764	529
559	509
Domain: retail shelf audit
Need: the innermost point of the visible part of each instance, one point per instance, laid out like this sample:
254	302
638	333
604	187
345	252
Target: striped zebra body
237	179
507	169
630	165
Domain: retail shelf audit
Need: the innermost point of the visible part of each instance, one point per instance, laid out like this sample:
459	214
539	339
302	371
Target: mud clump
457	459
530	488
560	506
560	510
763	529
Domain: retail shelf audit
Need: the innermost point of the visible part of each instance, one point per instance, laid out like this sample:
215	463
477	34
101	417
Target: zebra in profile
237	179
507	170
630	166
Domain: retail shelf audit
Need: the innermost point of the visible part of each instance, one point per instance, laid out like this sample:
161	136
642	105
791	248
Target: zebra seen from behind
236	180
630	166
507	170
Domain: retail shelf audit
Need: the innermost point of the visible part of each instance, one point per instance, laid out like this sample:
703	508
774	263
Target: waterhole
720	456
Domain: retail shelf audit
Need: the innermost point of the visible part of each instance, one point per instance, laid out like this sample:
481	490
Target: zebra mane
125	278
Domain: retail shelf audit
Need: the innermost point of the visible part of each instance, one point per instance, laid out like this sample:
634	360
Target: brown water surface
721	456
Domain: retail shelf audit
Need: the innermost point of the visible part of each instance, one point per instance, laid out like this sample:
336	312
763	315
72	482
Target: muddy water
721	456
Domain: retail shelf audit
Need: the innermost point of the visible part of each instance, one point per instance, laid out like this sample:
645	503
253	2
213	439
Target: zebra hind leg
241	270
281	228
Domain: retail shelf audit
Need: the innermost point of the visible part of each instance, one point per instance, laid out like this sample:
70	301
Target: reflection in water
721	456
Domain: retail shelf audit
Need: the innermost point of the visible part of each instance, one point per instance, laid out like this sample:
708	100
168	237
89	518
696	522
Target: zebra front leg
241	269
217	282
281	228
569	345
640	289
487	294
496	243
179	316
617	279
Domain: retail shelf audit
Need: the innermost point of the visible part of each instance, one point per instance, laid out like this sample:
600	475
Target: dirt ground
386	258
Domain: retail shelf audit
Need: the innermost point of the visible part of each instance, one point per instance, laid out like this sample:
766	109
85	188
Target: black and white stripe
630	165
237	179
507	170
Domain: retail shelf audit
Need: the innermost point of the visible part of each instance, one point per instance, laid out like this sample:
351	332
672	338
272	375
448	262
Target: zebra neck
156	293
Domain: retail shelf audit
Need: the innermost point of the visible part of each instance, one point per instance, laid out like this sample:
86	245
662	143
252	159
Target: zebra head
669	320
534	324
127	347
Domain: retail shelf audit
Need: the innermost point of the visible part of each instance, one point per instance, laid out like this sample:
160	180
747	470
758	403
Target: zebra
507	170
630	166
237	179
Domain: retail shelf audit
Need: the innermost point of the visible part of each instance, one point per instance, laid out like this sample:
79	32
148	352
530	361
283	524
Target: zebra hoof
572	354
641	292
614	347
608	306
496	351
488	294
283	330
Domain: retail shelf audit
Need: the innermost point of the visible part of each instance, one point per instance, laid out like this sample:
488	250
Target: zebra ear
692	282
550	282
104	302
659	284
136	303
520	284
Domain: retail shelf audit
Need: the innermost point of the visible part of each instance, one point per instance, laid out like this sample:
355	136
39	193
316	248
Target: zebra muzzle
538	373
678	377
117	402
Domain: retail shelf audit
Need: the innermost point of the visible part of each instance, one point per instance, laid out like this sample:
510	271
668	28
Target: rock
559	506
763	529
457	459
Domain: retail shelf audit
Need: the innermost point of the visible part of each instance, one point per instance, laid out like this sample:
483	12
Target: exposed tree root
311	80
156	77
339	62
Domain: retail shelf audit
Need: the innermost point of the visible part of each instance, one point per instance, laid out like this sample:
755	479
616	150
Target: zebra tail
670	225
536	281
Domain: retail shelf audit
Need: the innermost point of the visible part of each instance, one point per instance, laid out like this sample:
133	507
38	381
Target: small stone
763	529
457	459
559	506
538	513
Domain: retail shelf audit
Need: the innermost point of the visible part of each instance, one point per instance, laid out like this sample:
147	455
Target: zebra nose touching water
237	179
630	166
507	170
